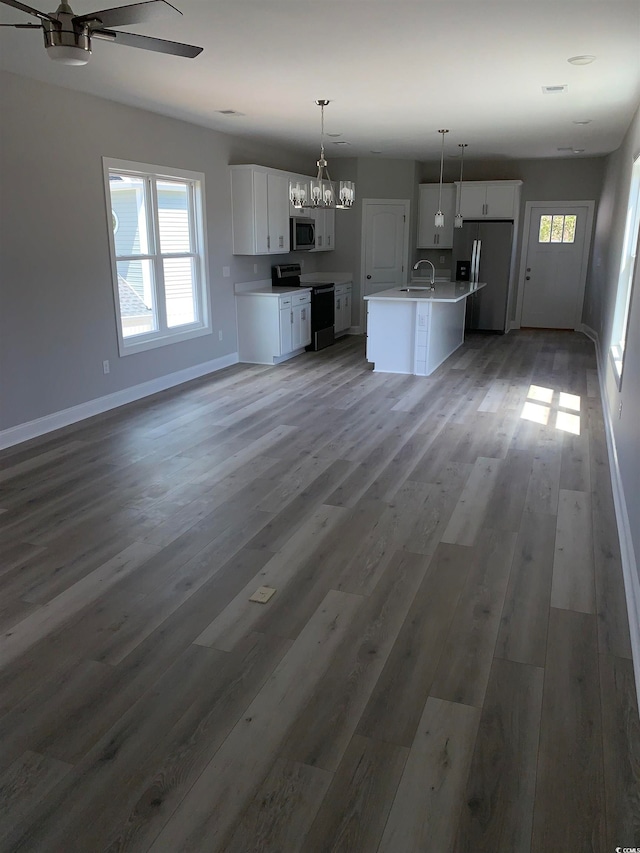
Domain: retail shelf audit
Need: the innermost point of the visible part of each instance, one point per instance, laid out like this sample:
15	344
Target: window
557	229
157	242
625	278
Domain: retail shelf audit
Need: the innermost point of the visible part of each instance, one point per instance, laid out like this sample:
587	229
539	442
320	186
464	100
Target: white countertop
445	291
273	291
326	277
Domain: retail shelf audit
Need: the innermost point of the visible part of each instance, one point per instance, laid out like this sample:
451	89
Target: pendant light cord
441	168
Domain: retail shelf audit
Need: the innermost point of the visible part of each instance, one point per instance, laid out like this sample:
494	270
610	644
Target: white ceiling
394	70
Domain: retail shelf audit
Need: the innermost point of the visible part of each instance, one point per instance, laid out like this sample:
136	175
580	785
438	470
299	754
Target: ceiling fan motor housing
65	42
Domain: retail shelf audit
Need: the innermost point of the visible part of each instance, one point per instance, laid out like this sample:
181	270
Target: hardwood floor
445	665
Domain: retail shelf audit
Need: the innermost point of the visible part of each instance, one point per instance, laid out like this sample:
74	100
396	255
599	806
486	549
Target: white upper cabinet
430	237
489	199
325	220
260	211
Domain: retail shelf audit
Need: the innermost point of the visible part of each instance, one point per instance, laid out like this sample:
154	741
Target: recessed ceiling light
587	121
230	113
554	90
375	151
334	134
341	142
579	150
566	148
585	59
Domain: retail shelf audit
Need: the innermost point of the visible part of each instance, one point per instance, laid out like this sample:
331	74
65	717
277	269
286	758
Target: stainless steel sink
413	287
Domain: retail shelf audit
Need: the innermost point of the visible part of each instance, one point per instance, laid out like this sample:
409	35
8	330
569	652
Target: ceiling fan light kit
321	188
67	37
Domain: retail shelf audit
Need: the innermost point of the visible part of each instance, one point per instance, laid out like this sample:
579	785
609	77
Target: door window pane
557	228
544	234
179	291
569	233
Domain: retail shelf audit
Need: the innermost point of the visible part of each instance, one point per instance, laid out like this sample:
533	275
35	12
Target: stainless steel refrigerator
486	246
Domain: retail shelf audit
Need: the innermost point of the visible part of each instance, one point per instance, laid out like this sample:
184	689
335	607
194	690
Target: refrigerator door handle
478	252
474	253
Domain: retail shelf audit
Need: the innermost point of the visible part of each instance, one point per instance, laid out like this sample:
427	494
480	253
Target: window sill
131	347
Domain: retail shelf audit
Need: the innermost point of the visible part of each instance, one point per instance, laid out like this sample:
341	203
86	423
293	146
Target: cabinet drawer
284	301
301	298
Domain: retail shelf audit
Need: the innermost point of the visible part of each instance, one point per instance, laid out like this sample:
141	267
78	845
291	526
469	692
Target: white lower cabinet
342	321
272	326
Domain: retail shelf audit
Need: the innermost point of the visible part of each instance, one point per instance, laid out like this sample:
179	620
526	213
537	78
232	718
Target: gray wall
376	178
601	296
57	320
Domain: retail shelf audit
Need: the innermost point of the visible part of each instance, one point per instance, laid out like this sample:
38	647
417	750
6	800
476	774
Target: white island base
411	332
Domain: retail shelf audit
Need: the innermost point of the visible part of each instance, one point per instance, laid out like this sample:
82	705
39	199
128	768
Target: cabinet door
473	198
329	230
278	213
286	327
318	216
261	213
500	203
301	325
347	307
338	310
430	237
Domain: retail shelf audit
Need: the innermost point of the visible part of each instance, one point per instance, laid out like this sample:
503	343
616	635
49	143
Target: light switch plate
262	594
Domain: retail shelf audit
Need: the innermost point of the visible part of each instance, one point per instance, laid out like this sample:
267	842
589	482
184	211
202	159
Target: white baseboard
627	553
56	420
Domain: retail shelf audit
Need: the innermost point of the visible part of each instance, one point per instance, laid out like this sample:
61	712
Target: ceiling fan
67	37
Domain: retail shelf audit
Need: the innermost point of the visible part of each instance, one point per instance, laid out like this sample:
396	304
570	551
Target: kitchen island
414	329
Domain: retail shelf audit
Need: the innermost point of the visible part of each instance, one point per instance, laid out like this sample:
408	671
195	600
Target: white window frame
164	335
628	264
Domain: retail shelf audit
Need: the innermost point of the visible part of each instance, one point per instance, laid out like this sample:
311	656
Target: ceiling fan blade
175	48
23	26
121	16
28	9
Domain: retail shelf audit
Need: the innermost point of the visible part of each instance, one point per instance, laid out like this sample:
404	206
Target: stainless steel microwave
303	233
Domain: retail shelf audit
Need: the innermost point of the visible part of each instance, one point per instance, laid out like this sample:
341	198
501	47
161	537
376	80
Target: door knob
368	276
528	278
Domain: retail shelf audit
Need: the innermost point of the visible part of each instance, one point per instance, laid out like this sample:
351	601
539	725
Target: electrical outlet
255	268
262	594
105	366
226	272
441	259
220	335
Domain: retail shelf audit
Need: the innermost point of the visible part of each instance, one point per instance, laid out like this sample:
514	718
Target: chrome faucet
433	269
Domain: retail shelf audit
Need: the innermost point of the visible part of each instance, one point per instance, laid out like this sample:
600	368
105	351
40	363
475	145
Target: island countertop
445	291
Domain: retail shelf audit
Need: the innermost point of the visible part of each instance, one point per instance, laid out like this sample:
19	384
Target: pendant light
439	221
459	220
321	189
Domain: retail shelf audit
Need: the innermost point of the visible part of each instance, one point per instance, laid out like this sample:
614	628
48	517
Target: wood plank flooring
445	665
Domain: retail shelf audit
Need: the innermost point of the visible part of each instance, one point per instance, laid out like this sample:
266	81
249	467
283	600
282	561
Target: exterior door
385	244
555	267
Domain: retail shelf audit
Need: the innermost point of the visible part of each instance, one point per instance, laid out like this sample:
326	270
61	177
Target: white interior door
555	266
385	244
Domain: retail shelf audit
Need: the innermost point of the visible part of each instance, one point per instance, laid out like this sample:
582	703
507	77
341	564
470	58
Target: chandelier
322	192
